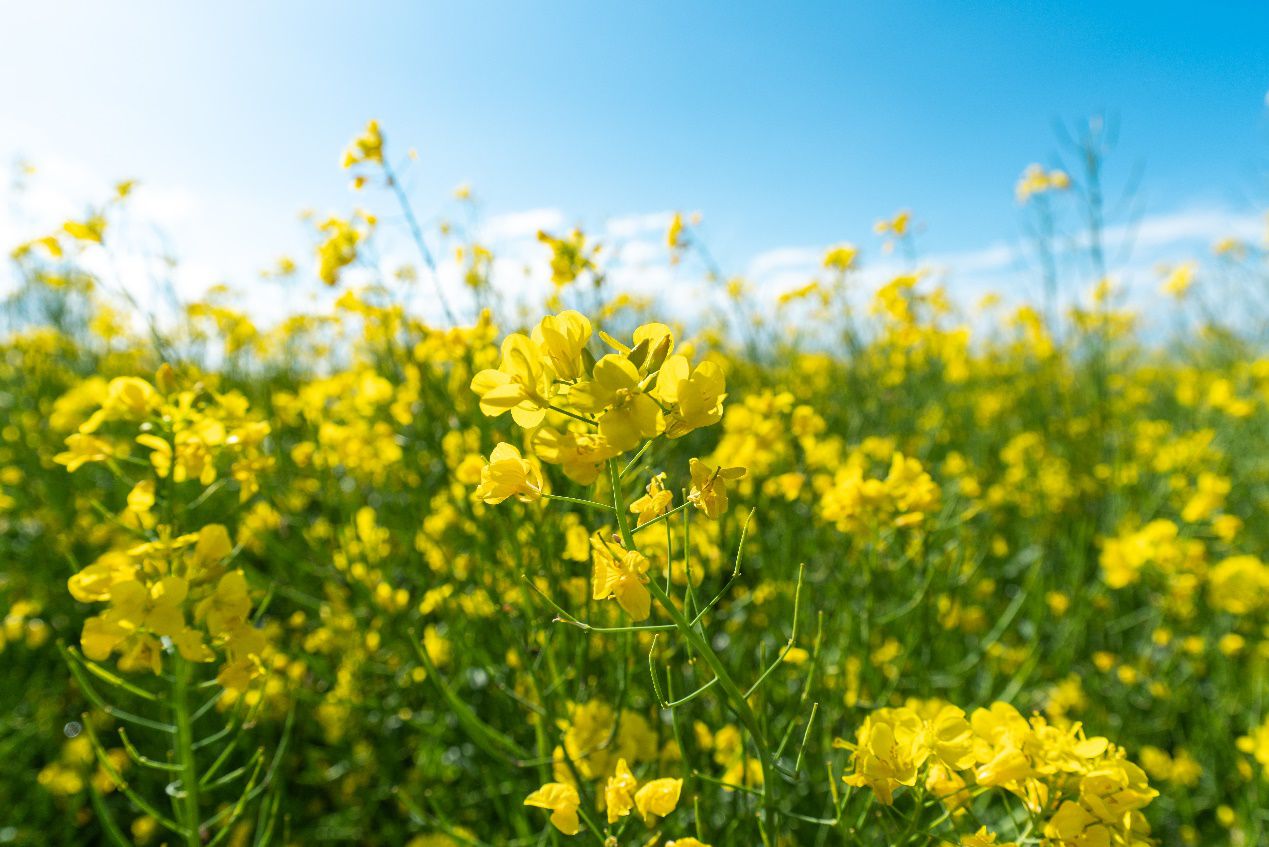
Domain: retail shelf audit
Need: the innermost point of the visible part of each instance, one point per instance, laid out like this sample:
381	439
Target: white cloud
514	226
1187	226
633	226
642	252
785	259
165	205
993	258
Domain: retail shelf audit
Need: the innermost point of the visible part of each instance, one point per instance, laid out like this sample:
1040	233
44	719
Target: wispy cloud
1187	226
515	226
635	226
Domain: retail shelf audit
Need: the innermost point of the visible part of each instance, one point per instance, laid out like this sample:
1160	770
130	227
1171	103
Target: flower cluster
174	588
582	412
1084	789
1036	180
858	504
190	435
654	799
620	399
171	589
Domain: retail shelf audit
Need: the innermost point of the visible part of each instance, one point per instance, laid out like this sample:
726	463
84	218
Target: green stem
572	415
579	501
184	750
735	697
659	518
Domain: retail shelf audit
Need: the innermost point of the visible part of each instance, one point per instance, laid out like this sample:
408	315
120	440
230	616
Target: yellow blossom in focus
622	574
709	487
658	797
509	475
563	802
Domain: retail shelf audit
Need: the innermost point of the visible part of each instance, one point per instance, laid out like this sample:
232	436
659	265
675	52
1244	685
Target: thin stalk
572	415
416	233
579	501
184	751
661	517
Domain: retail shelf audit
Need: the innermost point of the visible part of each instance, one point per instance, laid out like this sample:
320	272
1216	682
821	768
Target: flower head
622	574
509	475
659	797
563	801
709	487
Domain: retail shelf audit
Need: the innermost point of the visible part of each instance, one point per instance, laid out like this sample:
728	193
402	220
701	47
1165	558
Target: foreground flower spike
509	475
563	801
709	487
613	405
622	574
686	842
659	797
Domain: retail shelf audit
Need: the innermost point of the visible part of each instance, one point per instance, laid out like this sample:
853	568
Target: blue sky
785	124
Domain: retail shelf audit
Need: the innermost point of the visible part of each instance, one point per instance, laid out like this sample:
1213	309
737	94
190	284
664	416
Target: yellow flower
93	229
82	449
659	797
698	394
580	452
367	147
1035	180
507	474
982	838
888	749
141	497
1256	744
570	256
898	225
841	257
949	737
686	842
1179	279
619	792
622	574
136	609
674	235
1209	495
630	415
128	398
338	249
709	487
655	502
1239	585
519	384
93	583
228	606
563	801
562	338
914	492
189	642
